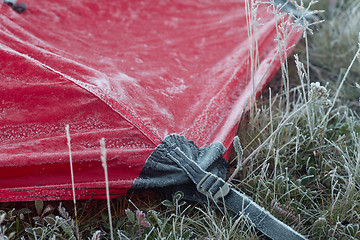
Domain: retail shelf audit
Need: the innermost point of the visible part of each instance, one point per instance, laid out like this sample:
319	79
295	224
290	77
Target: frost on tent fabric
135	73
132	73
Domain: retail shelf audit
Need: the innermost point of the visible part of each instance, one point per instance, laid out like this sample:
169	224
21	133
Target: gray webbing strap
217	189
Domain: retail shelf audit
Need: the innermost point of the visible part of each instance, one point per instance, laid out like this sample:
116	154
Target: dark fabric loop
161	170
177	161
211	186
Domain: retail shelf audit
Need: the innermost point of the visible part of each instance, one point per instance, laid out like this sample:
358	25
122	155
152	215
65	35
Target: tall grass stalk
104	165
251	23
301	73
67	129
239	152
341	85
284	29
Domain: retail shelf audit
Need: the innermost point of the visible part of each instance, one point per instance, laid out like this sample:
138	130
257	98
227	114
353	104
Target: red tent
132	72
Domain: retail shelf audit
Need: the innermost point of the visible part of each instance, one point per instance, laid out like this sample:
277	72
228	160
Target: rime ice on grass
318	92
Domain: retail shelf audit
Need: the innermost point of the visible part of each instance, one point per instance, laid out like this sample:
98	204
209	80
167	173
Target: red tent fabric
132	72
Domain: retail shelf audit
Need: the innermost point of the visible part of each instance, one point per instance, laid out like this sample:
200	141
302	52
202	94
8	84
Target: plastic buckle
221	192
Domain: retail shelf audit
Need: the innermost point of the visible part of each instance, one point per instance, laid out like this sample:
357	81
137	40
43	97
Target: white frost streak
114	84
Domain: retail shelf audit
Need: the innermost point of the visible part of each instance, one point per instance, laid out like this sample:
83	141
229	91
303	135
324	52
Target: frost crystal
318	92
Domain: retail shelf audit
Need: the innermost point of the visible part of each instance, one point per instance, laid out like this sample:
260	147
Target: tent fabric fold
133	72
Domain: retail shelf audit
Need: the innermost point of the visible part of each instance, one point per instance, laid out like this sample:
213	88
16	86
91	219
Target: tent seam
101	95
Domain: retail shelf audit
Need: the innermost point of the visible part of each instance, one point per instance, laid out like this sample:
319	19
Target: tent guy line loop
209	185
258	216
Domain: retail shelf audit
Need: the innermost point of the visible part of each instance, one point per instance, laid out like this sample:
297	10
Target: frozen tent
144	75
